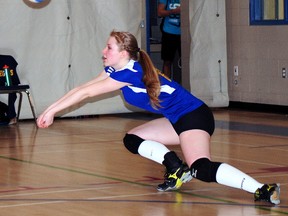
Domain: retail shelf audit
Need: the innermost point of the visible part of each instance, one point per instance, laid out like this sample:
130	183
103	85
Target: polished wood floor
80	167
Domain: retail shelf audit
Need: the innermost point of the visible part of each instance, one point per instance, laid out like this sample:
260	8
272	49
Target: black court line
255	128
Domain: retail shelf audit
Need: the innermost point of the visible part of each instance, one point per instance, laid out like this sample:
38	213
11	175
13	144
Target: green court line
262	207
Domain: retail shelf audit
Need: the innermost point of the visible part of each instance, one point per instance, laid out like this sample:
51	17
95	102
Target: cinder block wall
260	52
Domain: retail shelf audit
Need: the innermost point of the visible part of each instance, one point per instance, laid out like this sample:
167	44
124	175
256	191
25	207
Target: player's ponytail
150	78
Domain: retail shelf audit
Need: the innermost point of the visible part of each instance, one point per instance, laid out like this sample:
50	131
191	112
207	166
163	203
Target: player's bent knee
132	142
205	170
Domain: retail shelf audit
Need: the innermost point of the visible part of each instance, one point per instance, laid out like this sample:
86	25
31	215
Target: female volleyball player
187	120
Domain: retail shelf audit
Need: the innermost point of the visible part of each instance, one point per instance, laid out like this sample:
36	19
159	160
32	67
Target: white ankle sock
232	177
153	150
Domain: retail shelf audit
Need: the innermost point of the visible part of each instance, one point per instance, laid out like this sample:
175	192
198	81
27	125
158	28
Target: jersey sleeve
128	74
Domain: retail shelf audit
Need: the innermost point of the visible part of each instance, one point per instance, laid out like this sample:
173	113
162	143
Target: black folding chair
19	89
8	61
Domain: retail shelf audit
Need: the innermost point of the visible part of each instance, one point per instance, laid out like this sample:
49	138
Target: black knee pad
205	170
132	142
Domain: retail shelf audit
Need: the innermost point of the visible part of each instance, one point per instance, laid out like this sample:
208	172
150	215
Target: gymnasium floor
80	167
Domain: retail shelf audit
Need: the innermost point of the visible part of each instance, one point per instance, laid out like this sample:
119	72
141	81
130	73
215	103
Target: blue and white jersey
175	101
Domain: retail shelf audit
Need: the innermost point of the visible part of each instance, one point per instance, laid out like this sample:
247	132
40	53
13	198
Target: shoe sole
275	196
176	187
168	189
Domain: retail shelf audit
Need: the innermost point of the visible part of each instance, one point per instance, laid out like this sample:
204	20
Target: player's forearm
66	101
71	98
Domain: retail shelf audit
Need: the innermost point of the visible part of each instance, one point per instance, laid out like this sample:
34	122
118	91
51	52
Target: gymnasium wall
59	47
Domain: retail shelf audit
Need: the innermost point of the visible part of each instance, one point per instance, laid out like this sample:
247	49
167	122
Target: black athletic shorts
202	118
170	45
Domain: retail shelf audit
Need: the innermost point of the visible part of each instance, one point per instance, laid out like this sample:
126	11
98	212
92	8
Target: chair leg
19	105
31	104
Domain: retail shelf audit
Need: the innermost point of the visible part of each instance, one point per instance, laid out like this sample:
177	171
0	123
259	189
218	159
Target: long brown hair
127	41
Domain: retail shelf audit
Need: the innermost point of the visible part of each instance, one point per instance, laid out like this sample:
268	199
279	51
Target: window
268	12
